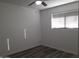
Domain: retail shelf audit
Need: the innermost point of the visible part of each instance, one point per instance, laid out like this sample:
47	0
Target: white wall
13	20
62	39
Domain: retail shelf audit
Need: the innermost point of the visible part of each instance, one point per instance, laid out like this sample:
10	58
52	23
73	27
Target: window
64	21
72	22
58	22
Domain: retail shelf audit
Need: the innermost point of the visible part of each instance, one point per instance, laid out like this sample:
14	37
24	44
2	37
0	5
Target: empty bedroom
39	29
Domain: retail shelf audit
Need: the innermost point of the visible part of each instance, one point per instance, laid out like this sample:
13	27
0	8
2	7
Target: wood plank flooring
42	52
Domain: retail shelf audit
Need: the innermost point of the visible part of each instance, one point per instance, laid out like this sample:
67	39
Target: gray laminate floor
42	52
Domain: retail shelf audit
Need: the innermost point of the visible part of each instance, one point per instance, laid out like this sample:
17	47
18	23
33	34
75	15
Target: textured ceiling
50	3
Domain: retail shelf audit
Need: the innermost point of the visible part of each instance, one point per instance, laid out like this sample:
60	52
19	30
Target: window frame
65	27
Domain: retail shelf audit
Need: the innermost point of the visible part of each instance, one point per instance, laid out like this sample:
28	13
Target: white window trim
64	23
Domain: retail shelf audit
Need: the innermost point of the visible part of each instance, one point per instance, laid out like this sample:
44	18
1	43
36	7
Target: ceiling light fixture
38	2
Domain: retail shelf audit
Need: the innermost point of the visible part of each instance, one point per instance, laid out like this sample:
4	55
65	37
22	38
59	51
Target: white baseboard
76	53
